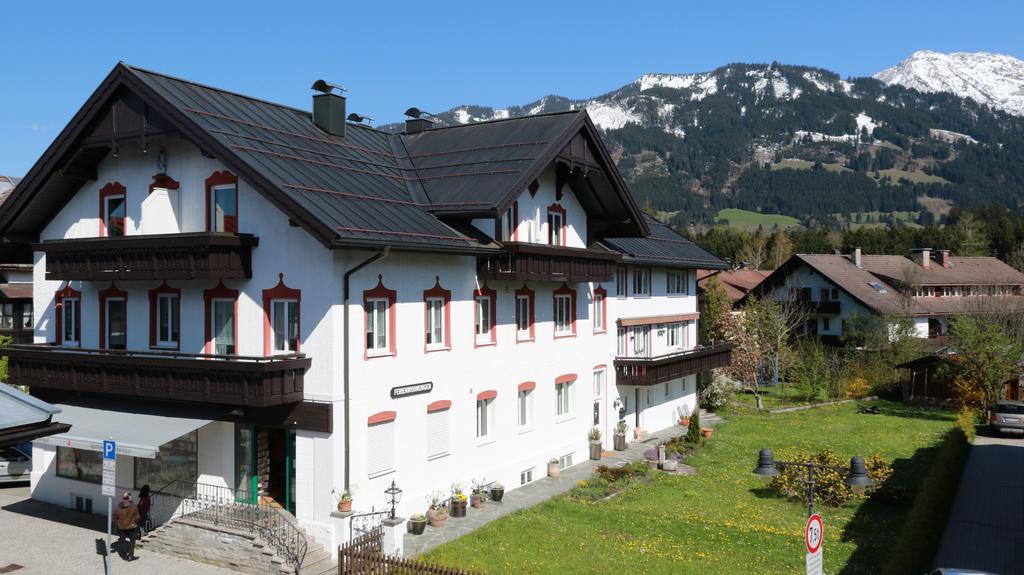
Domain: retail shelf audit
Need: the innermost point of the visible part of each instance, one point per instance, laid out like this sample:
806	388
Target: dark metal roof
664	247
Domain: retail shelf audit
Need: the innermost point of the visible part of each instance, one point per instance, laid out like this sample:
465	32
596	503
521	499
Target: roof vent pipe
417	121
856	257
329	108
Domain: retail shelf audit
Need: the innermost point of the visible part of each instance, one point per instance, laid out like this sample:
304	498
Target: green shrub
830	487
919	537
966	421
714	390
693	433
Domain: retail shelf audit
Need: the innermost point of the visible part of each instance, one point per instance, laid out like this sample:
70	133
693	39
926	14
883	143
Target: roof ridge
498	120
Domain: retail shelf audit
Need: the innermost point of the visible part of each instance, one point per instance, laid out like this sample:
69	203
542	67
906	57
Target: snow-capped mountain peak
987	78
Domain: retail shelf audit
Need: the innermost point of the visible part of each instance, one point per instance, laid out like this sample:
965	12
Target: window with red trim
112	209
524	405
485	414
380	322
564	309
222	202
556	225
564	389
437	317
438	414
221	320
281	313
113	318
165	317
485	315
600	313
524	314
380	444
68	312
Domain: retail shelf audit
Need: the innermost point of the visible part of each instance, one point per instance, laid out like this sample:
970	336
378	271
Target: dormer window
222	202
556	225
112	210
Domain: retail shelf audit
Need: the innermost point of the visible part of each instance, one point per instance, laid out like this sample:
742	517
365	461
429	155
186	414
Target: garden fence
362	556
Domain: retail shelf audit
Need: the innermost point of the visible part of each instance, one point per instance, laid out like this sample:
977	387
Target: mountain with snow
993	79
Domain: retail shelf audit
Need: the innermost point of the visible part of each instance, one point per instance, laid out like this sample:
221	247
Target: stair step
316	557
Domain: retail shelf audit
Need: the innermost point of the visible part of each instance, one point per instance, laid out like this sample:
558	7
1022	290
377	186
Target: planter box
620	442
595	450
417	527
497	494
458	508
554	470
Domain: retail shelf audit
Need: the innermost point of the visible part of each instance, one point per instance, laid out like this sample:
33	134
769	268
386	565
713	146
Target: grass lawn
722	520
772	397
914	177
794	164
747	220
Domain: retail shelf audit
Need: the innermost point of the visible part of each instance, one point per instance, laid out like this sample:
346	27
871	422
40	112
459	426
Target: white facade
422	442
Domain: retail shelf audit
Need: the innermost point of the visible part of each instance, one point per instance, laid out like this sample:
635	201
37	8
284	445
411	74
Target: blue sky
435	55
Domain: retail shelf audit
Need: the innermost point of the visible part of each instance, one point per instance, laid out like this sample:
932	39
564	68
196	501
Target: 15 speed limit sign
814	533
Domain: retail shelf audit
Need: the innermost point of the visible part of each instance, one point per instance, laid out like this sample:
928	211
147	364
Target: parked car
1008	416
15	463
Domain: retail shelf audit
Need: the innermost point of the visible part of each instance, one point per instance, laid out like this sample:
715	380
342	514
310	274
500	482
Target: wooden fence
362	556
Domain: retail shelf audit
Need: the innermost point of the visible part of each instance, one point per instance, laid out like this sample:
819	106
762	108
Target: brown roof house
930	287
737	283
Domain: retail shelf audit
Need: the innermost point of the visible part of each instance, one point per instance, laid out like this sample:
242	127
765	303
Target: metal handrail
235	508
696	351
154	353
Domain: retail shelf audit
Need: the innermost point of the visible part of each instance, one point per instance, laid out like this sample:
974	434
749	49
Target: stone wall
220	546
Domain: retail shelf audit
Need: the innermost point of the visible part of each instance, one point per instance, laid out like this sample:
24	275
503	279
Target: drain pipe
345	338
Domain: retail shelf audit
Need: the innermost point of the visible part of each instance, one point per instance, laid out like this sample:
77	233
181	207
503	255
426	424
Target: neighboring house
927	290
277	303
15	280
736	282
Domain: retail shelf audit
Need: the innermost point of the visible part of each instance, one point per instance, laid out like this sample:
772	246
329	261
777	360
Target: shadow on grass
902	410
877	523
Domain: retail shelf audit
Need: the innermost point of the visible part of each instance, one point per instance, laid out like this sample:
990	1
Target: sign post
813	536
109	488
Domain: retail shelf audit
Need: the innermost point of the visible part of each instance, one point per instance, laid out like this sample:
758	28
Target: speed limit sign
814	533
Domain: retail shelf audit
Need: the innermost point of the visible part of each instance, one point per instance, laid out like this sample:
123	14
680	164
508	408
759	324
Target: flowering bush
829	484
714	392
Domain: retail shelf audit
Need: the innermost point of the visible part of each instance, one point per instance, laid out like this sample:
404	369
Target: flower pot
670	465
707	431
637	433
497	493
458	508
685	422
620	442
417	527
478	500
345	505
553	469
595	450
437	517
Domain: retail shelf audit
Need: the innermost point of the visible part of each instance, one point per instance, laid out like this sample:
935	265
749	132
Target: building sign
414	389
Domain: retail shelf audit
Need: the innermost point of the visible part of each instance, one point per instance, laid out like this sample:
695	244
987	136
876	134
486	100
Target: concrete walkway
986	525
538	491
46	539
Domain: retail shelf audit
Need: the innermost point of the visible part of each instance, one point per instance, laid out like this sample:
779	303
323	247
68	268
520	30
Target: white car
15	463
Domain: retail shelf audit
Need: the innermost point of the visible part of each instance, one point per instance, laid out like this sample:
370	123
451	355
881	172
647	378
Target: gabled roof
369	188
664	247
736	283
962	271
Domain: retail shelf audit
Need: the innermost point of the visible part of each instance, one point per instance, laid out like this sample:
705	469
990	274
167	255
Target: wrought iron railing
231	508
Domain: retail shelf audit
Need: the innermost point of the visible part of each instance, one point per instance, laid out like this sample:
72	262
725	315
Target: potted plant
707	431
459	500
344	500
479	497
595	443
497	491
685	419
620	435
417	523
553	468
438	512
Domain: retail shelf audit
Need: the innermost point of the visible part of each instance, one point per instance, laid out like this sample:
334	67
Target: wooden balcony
662	368
825	307
211	379
201	255
540	262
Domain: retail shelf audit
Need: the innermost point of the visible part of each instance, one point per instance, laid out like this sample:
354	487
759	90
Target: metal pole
110	517
810	490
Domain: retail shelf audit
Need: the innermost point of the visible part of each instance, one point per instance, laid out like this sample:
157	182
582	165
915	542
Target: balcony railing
213	379
824	307
201	255
540	262
662	368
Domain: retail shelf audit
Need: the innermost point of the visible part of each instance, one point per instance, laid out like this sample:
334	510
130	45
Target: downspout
345	329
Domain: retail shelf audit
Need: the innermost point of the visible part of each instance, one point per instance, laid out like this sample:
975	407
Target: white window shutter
437	433
380	448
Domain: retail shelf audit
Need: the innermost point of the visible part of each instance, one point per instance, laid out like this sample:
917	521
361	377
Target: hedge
921	534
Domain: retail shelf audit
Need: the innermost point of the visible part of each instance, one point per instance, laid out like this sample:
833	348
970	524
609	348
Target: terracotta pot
685	422
620	442
437	517
595	450
707	431
478	500
458	508
417	527
345	505
553	469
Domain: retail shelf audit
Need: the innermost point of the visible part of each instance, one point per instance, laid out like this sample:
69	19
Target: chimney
923	257
944	259
417	125
856	257
329	108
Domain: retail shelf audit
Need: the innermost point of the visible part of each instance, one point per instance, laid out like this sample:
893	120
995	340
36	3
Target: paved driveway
46	539
986	526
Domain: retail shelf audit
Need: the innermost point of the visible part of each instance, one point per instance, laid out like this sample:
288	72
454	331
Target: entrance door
265	463
246	479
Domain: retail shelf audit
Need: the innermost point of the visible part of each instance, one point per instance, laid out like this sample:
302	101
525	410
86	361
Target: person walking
126	519
144	505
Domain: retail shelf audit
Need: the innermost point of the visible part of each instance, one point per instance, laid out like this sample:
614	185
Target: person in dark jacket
126	520
144	505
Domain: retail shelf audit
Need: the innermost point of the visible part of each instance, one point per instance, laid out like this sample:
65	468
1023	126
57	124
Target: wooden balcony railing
213	379
201	255
662	368
540	262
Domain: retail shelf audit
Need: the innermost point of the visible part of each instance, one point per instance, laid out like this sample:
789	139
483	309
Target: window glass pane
115	216
280	325
523	313
70	320
293	325
26	315
224	327
117	334
380	325
80	464
177	460
225	210
7	316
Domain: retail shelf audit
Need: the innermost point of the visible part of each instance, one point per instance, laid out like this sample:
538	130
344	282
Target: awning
137	431
651	320
16	291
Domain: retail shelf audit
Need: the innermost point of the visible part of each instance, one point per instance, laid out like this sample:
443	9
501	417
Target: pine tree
693	432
